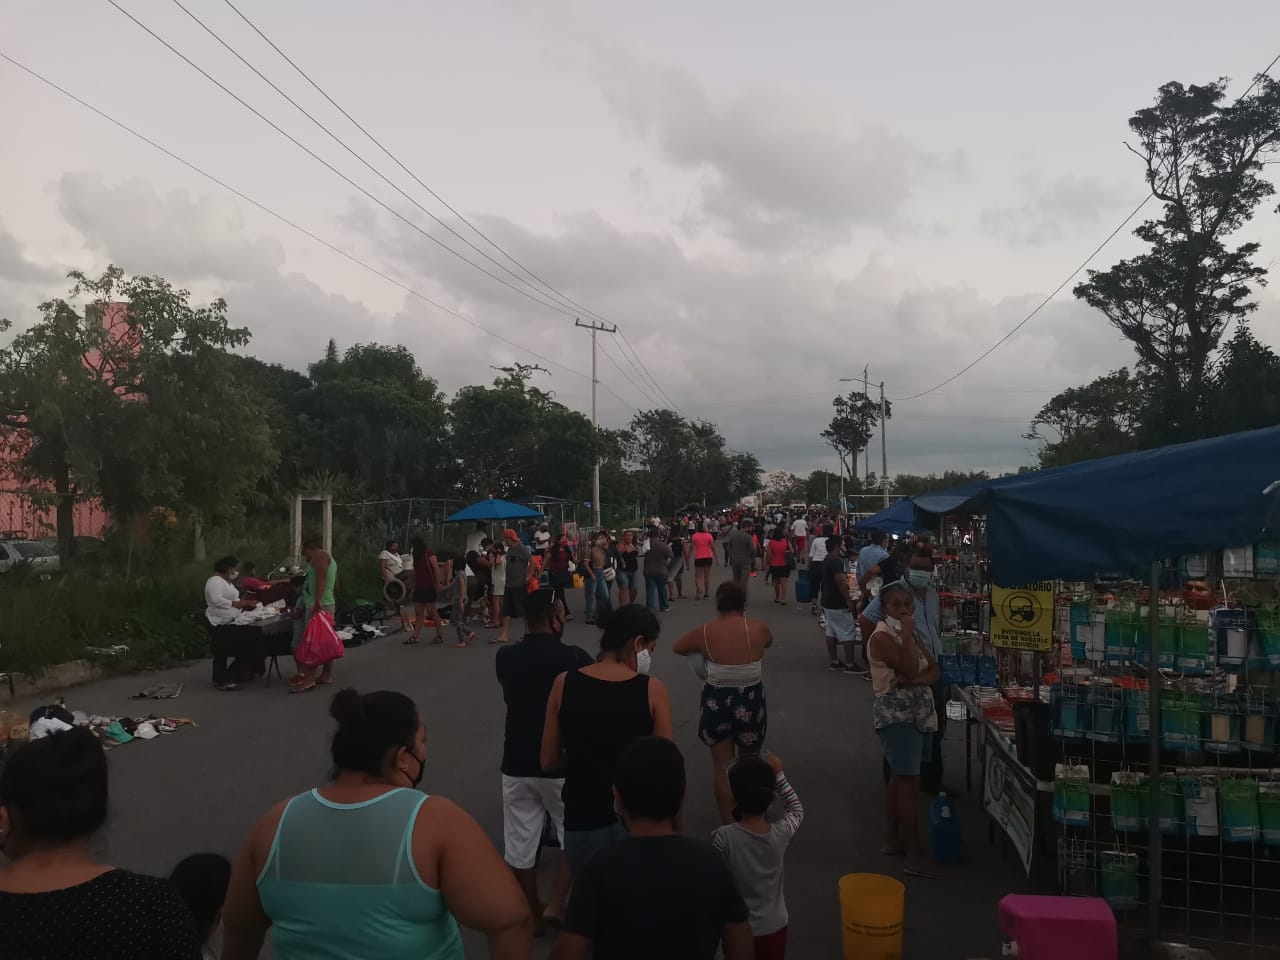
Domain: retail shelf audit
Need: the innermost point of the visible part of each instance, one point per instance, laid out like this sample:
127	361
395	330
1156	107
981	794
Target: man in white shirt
800	531
817	553
541	541
222	604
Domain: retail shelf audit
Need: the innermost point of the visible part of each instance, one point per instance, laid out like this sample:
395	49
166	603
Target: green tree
782	486
821	486
75	393
910	485
1203	160
1244	390
852	425
1096	420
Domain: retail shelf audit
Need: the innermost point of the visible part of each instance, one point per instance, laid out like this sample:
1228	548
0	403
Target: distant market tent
1119	512
898	518
492	510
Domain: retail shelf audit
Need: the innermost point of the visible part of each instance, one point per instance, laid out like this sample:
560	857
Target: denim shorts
625	579
905	748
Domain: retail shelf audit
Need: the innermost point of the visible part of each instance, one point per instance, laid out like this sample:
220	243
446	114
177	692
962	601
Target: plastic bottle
944	831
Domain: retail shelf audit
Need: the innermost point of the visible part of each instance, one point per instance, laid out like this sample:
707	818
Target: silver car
32	554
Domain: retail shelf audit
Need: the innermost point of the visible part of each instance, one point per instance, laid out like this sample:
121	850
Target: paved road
202	788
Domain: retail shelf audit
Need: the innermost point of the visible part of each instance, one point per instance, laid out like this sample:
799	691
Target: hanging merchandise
1170	641
1137	719
1180	720
1130	801
1171	811
1237	562
1068	704
1266	558
1122	629
1230	627
1071	799
1259	723
1201	794
1106	712
1269	812
1223	723
1193	649
1119	879
1269	635
1240	818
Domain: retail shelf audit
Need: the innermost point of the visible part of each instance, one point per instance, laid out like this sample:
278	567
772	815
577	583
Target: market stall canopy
1118	512
493	509
896	518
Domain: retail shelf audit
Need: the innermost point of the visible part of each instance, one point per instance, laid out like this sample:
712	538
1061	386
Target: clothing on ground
648	897
755	860
115	916
527	670
340	882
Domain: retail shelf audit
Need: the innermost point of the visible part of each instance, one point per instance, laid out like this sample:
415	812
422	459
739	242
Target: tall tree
1244	392
1203	160
1096	420
74	389
852	425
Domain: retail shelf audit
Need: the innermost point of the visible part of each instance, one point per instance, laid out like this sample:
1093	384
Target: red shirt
778	553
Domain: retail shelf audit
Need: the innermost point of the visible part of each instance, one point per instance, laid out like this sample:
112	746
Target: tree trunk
66	514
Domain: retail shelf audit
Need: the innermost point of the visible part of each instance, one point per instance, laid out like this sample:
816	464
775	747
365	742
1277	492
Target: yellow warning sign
1022	617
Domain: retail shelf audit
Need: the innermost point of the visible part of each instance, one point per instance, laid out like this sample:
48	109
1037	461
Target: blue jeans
655	591
597	592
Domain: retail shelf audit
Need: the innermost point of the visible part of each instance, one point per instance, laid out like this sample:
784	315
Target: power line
1071	276
646	394
301	229
644	373
642	369
301	146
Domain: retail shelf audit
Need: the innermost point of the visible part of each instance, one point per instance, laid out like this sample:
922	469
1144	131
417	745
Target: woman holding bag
317	597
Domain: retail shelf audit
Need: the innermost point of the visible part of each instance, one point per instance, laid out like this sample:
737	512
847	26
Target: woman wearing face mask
367	866
902	669
592	714
55	899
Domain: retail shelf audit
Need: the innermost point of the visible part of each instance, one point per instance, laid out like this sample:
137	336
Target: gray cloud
775	169
1045	211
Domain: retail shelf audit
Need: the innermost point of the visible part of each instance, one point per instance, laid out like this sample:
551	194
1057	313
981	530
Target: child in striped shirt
753	847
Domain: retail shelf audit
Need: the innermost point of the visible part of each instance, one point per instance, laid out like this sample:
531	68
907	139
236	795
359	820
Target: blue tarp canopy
493	509
897	518
1118	512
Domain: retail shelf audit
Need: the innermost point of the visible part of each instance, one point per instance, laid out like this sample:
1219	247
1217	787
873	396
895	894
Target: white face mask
644	659
893	622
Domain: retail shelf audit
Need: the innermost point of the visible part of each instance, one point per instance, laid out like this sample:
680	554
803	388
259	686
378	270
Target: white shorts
526	802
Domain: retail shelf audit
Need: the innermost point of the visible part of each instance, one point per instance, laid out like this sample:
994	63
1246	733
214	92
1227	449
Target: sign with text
1009	796
1022	617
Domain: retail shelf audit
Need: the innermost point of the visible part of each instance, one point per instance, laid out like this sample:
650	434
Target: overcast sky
766	197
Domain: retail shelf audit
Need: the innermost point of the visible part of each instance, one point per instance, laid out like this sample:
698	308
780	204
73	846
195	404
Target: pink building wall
17	513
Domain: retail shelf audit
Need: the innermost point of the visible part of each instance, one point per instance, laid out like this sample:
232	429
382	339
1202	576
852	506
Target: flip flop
436	641
304	687
406	642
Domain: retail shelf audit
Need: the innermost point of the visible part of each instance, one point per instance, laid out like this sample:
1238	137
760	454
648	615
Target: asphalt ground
203	787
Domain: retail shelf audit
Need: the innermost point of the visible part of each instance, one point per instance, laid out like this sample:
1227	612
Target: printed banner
1022	617
1009	797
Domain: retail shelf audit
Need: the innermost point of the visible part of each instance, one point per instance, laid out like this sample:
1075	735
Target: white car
38	558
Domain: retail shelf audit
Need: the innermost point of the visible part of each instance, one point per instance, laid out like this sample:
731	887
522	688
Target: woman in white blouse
222	604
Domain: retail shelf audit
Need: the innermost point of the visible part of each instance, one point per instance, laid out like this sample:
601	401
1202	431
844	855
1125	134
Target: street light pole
884	450
595	477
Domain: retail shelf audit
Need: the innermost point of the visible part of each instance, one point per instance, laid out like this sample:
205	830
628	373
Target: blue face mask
919	578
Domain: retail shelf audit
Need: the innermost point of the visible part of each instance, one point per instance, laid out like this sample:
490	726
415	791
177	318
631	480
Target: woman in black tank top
592	714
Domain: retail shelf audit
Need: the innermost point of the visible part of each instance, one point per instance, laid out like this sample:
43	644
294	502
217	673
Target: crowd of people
368	865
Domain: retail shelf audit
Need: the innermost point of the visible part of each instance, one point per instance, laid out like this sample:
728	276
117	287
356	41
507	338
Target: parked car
30	554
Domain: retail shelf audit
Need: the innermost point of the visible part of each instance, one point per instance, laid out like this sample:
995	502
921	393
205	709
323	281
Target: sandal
323	681
406	642
437	640
230	687
303	687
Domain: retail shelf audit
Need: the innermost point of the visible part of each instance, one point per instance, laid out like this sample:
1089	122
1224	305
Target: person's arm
793	812
383	565
868	574
894	656
549	757
691	642
244	922
660	707
480	890
739	944
766	633
869	617
322	583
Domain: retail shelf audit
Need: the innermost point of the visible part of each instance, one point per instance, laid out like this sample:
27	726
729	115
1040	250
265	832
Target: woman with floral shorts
728	654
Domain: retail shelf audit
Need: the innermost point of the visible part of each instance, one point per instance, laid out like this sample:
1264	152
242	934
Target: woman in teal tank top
367	866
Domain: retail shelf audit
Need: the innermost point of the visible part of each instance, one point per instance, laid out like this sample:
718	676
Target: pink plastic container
1059	928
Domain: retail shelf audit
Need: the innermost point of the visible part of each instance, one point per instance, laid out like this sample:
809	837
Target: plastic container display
1240	818
1058	928
1130	801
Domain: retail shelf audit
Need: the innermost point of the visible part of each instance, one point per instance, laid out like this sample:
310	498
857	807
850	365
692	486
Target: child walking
754	848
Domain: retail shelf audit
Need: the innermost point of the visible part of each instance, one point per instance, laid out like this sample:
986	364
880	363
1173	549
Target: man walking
518	557
527	670
657	563
741	550
837	606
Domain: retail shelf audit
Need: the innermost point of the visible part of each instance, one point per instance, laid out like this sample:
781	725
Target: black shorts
704	561
424	594
780	573
513	602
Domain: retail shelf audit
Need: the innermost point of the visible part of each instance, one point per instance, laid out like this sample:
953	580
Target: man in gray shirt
518	556
742	553
657	561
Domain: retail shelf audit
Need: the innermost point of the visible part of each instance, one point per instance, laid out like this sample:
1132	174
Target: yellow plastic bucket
871	907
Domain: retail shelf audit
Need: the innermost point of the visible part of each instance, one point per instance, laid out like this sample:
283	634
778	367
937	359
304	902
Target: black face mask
422	768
